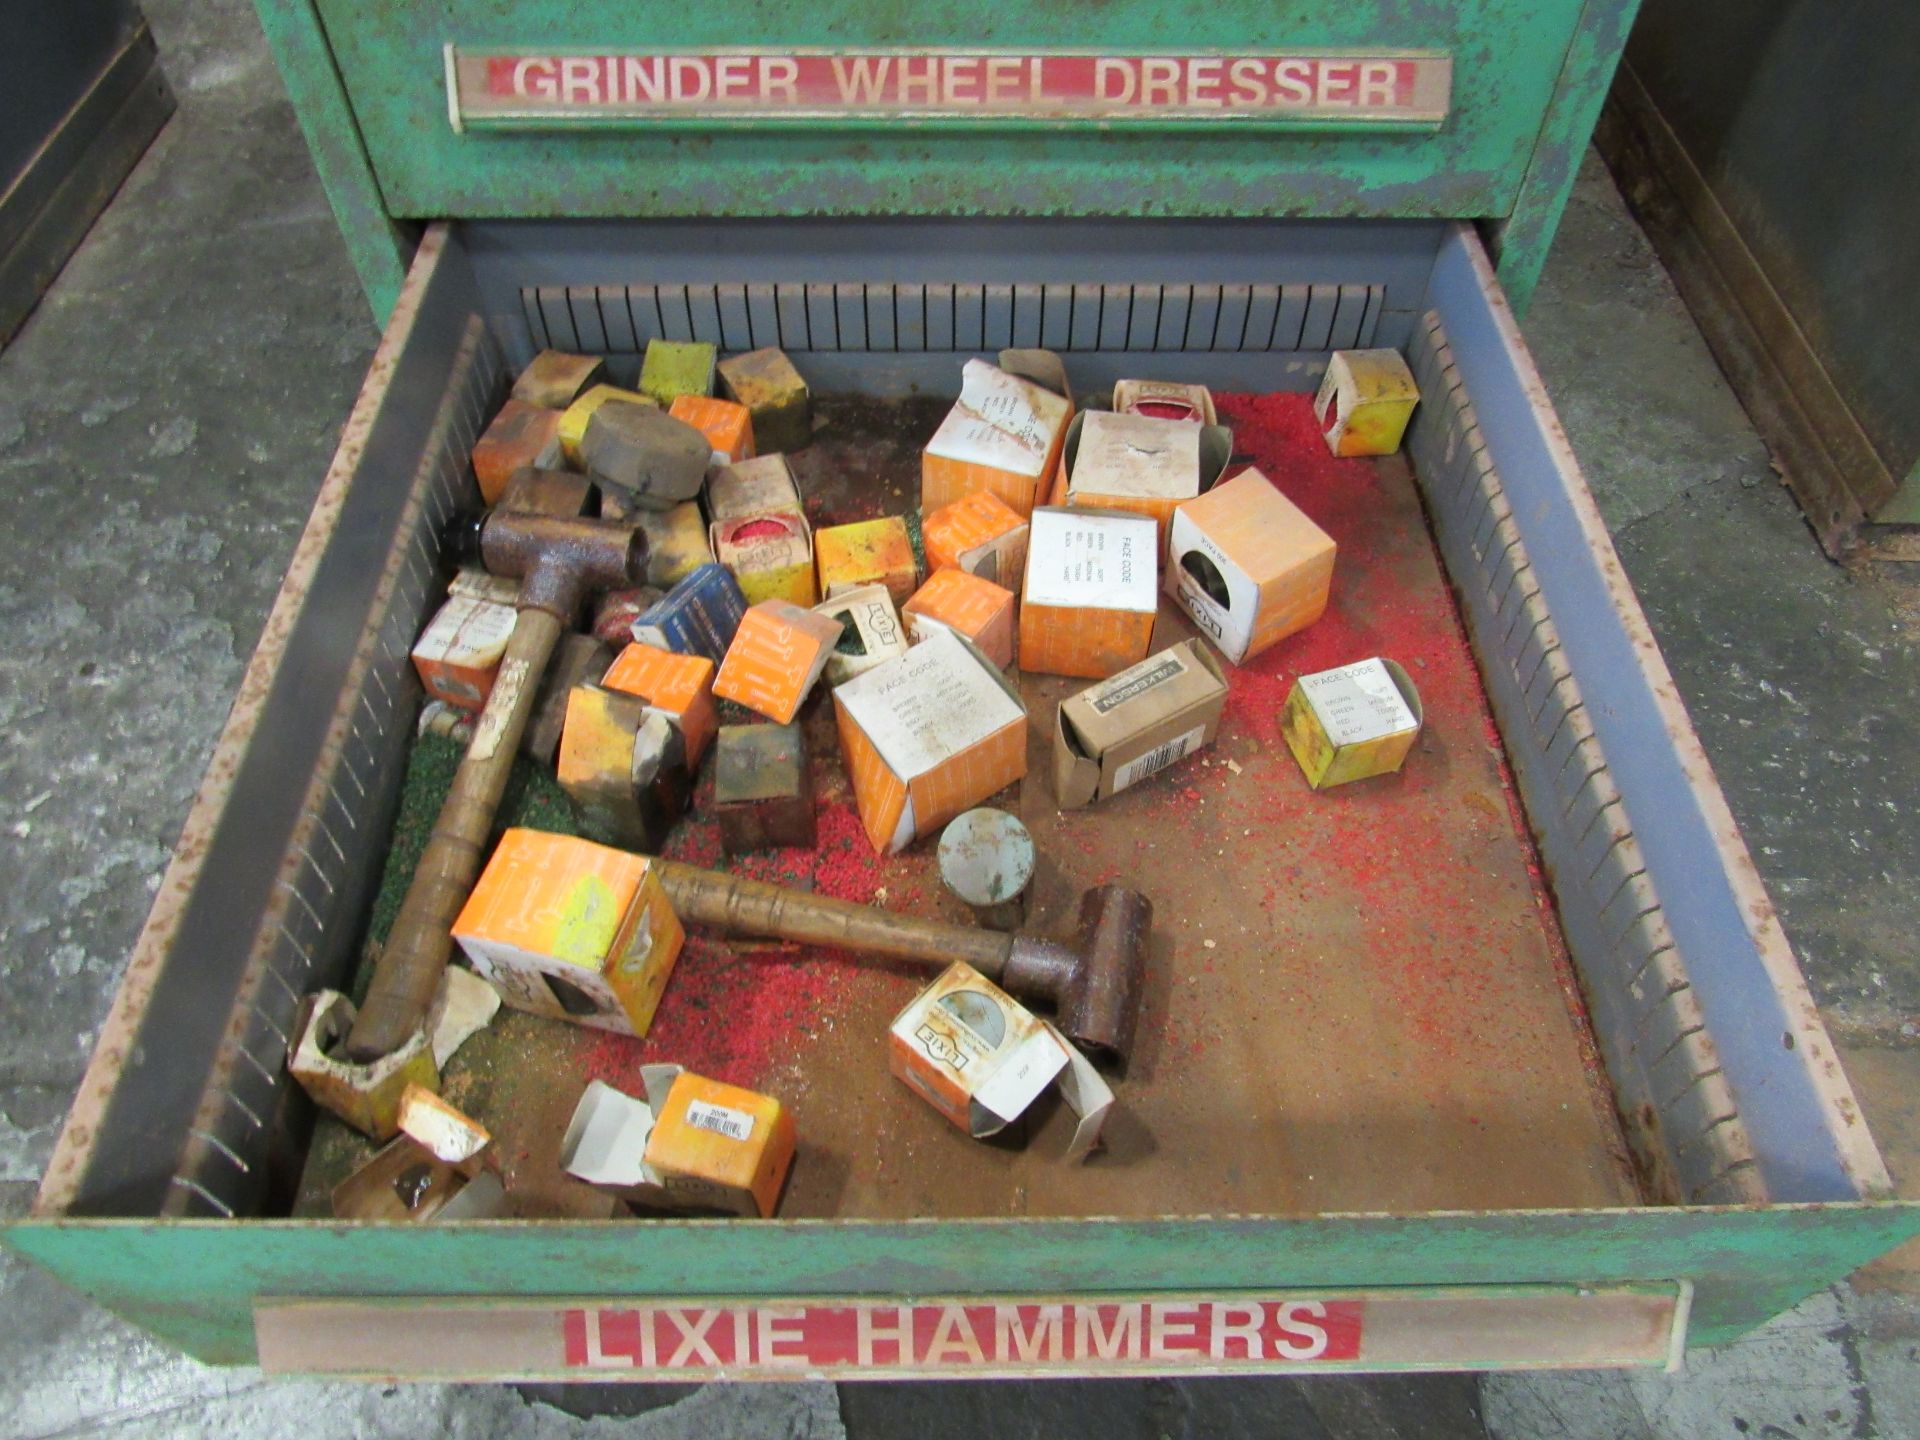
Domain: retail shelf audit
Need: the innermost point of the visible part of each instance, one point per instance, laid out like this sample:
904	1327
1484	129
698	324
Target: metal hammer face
545	532
1094	983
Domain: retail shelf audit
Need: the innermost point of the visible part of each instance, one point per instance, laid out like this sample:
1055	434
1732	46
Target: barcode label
1158	758
734	1124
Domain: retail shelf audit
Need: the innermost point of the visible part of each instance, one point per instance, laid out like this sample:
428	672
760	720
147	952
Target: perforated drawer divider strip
1678	1110
895	318
320	902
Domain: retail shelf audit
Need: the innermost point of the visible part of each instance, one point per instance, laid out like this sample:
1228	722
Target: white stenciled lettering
534	78
1233	1322
1300	1338
774	1328
953	1338
1169	1321
1249	80
644	79
861	79
1003	78
1093	1340
1292	82
1113	82
780	76
958	78
693	1336
731	80
1203	84
1159	82
1377	83
870	1334
1014	1341
580	80
922	84
691	79
1335	86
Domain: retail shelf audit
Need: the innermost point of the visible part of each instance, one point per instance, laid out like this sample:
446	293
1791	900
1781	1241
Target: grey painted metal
1741	985
1671	1093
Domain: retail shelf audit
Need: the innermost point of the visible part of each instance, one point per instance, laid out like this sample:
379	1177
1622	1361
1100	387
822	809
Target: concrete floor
164	421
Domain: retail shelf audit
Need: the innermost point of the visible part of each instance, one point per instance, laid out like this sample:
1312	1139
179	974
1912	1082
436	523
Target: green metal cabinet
1758	1182
368	80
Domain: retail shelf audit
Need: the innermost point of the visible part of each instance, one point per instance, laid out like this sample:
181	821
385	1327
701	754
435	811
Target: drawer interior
1405	1007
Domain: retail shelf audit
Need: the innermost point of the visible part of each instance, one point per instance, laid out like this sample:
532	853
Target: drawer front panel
1507	58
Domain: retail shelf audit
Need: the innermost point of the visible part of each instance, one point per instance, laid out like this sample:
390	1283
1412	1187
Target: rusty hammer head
545	532
1094	981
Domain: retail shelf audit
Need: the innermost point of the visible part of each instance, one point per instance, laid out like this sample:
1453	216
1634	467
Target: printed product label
1100	562
1358	703
1136	680
720	1119
1158	758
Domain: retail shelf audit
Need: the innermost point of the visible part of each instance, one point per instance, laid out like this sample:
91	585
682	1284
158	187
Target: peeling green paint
193	1283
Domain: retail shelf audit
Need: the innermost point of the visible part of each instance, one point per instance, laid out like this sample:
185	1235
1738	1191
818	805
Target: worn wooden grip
752	907
410	968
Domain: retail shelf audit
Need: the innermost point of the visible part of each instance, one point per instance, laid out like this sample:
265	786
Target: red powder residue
736	1007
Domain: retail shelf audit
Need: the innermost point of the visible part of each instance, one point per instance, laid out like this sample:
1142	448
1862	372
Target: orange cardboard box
977	609
1139	463
926	736
555	379
693	1144
1091	592
572	930
1248	566
520	436
681	685
980	1058
727	426
777	653
1003	435
868	552
459	652
978	533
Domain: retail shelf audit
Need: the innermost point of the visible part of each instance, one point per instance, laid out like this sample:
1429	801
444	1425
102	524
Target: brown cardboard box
980	1058
1115	734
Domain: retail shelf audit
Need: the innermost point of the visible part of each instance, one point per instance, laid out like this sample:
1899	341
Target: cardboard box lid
1000	421
1093	559
1143	456
1189	404
1361	702
927	705
606	1140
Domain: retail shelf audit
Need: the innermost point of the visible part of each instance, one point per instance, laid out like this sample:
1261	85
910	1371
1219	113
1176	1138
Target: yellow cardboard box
867	552
1365	401
1350	723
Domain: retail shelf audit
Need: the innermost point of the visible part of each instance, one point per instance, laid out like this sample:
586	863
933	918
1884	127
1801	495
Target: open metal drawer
1759	1182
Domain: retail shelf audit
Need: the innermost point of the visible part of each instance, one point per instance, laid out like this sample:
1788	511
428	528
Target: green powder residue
533	799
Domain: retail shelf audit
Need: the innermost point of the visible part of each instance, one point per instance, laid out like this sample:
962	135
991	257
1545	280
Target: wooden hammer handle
407	977
752	907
